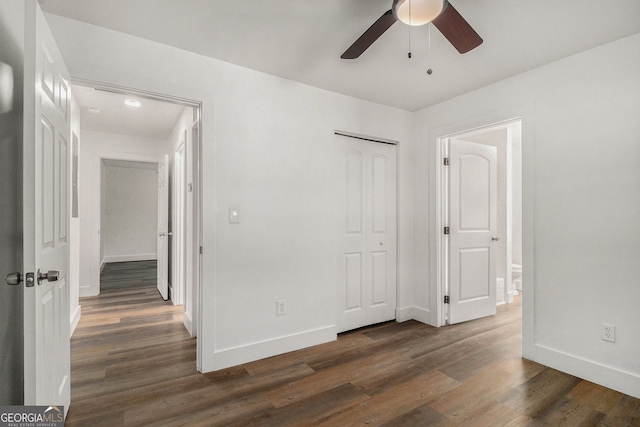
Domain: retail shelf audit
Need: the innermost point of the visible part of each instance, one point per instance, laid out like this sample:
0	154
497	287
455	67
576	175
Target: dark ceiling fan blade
457	30
371	35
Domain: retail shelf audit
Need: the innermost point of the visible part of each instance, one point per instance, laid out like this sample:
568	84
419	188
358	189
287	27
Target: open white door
472	224
163	223
367	276
46	217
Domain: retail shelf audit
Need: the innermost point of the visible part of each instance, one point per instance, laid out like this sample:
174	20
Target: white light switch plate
234	217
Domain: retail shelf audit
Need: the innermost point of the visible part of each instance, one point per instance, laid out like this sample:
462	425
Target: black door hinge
446	299
446	161
446	230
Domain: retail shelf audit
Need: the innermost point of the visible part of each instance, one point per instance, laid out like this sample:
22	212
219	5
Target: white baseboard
413	313
188	323
422	315
607	376
75	318
125	258
404	314
248	353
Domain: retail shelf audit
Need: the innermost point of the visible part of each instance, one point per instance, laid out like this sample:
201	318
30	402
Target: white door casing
163	232
178	249
367	265
472	224
46	190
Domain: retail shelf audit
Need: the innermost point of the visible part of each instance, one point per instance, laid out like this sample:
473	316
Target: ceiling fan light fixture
417	12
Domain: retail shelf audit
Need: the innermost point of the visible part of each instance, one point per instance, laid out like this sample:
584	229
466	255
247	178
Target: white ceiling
153	119
302	40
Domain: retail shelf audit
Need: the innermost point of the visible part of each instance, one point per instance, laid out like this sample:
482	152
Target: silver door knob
381	243
495	239
49	276
14	279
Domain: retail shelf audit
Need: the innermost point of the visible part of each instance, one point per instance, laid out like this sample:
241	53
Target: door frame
178	237
437	213
197	146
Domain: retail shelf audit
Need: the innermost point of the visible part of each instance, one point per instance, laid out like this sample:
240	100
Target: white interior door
46	217
163	231
472	223
367	278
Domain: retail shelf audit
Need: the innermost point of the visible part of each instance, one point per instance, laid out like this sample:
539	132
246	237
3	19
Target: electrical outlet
608	332
281	307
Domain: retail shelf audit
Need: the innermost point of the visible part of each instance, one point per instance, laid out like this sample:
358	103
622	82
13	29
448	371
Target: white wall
95	147
581	205
269	151
129	224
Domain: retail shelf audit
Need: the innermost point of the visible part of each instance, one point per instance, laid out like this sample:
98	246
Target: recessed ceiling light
94	110
132	103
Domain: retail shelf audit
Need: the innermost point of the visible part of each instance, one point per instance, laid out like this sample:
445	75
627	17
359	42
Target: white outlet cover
608	332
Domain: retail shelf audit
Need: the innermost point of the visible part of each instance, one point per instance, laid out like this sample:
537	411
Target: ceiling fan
419	12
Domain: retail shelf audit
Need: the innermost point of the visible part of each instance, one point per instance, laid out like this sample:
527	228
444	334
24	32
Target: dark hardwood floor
133	363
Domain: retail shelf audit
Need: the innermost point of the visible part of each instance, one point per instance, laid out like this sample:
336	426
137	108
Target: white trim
188	323
75	318
127	258
404	314
623	381
233	356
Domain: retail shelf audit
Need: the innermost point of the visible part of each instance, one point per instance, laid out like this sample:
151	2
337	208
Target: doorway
475	279
144	130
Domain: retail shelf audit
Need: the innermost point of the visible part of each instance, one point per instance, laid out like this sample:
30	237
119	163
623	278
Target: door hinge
446	161
446	230
200	250
446	299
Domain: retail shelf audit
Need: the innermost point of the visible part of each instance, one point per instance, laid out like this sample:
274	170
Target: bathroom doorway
500	257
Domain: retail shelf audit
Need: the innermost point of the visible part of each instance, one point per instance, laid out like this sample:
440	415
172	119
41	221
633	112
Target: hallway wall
129	224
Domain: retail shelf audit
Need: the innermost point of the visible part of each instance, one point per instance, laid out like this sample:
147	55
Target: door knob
14	278
49	276
495	239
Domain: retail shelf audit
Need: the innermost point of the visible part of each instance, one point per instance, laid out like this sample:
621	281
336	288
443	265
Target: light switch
233	216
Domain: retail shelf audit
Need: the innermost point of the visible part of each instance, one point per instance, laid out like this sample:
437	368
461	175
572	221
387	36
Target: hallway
127	348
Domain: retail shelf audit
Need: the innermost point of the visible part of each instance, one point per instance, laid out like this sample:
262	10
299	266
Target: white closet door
367	276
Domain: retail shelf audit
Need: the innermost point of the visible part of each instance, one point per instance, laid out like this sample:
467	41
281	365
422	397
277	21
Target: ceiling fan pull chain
409	54
429	70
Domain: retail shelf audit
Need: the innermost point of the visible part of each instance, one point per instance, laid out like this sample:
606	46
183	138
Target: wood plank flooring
133	364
